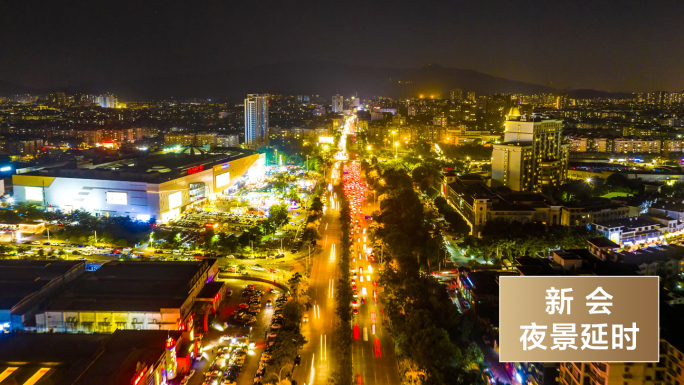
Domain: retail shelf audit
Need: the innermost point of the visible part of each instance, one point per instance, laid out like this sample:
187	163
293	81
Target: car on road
489	376
35	243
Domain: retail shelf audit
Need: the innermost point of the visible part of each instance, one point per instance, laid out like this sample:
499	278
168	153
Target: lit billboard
117	198
34	193
175	200
222	179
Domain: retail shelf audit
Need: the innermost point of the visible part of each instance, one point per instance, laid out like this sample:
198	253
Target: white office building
337	103
256	120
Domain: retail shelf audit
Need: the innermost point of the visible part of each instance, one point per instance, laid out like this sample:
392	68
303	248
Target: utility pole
48	231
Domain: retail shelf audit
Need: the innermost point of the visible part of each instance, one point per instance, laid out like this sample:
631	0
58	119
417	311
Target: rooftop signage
195	170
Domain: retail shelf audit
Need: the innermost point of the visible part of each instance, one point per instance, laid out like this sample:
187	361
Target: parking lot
236	349
220	221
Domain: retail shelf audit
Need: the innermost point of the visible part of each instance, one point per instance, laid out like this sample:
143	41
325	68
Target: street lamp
396	146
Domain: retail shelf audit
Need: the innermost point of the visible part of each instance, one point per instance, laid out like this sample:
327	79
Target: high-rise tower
256	120
337	103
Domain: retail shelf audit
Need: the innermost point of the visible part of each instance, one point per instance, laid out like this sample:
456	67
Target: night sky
607	45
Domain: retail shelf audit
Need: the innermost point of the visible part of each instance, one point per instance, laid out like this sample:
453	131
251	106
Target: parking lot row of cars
82	249
217	220
247	311
275	325
226	367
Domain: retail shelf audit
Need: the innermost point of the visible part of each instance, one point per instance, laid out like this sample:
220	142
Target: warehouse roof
133	286
22	278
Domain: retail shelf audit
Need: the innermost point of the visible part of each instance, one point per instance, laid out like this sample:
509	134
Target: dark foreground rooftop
133	286
21	278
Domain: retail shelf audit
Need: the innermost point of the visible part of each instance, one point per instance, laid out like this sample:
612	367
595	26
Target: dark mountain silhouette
7	89
302	77
317	77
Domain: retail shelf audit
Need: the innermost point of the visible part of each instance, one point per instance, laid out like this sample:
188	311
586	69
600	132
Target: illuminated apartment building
532	155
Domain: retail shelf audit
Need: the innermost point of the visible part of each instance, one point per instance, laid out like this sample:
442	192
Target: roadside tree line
501	240
432	339
343	375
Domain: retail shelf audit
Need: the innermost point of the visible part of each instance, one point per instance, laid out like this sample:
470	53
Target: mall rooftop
154	168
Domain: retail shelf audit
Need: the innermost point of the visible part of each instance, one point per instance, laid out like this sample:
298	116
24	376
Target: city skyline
382	193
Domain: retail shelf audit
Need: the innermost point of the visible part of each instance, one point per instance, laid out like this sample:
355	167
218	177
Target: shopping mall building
156	186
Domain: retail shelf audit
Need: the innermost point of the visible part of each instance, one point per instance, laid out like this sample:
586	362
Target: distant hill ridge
309	77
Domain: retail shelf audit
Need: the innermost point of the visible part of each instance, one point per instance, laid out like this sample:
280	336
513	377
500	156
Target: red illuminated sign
195	170
139	377
170	343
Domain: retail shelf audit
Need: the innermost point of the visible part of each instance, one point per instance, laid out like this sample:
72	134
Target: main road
373	358
318	355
